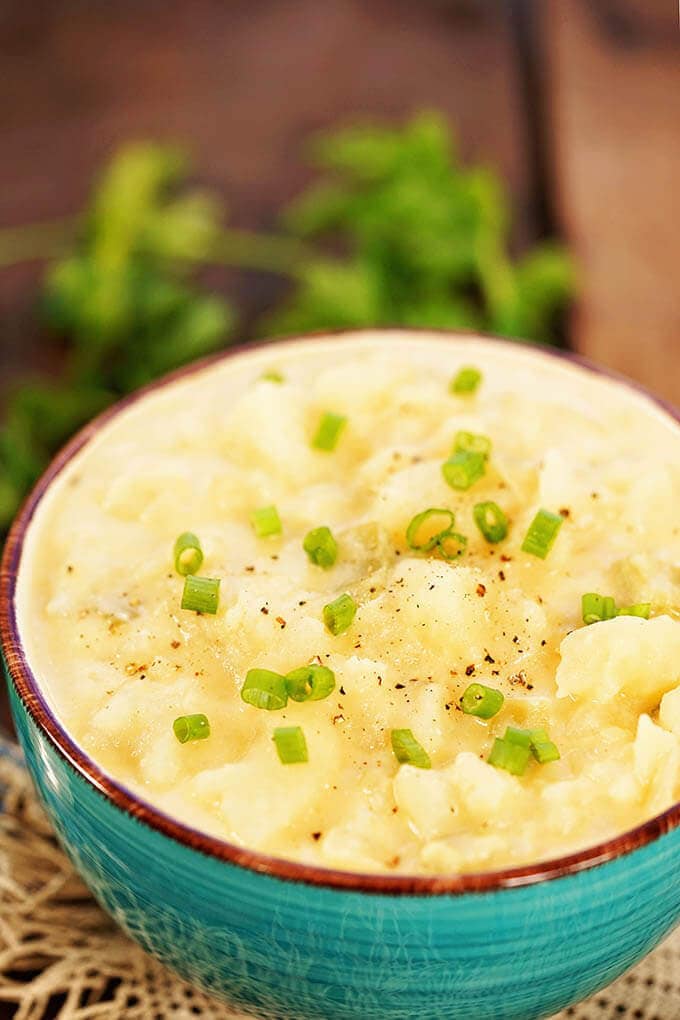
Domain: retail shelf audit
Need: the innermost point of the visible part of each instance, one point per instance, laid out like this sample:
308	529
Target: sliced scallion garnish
482	701
272	375
310	683
328	433
472	442
465	381
491	521
321	547
338	614
266	521
265	689
512	757
408	751
201	594
595	608
191	727
542	533
452	545
427	527
188	554
463	469
642	609
291	745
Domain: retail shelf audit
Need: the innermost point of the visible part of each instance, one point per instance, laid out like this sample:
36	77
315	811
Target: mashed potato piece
120	660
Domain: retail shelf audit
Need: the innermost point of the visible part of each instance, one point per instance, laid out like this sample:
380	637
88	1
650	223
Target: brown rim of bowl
34	702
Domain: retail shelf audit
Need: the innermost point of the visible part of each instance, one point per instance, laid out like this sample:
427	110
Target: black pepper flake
505	558
399	687
302	603
281	622
487	658
175	644
495	672
250	569
515	640
69	569
264	611
469	670
501	574
316	836
565	512
372	590
543	643
481	590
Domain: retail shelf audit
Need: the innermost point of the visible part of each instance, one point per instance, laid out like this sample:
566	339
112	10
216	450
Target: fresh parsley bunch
419	240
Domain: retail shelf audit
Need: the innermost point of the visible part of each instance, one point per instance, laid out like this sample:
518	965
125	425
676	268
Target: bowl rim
35	704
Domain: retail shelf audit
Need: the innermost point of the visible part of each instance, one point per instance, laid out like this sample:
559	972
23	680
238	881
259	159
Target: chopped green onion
513	758
481	701
491	521
463	469
467	380
408	751
452	545
642	609
272	375
338	615
291	745
542	533
188	554
310	683
472	442
191	727
321	547
201	594
427	527
263	688
513	735
266	521
328	432
545	751
595	608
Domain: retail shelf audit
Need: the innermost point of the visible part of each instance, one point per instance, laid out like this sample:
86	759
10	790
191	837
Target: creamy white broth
119	660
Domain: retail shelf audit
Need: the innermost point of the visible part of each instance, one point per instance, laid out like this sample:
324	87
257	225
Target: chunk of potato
640	658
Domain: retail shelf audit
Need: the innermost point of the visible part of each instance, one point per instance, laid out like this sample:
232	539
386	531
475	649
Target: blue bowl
286	940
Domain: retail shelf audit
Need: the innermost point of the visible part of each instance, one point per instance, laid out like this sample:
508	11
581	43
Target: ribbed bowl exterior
286	949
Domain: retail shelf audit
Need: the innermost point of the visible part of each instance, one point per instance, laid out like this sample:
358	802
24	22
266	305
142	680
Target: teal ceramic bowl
285	940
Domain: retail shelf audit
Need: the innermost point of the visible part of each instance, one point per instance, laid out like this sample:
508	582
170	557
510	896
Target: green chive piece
310	683
642	609
467	380
272	375
291	745
191	727
513	735
595	608
338	615
513	758
542	533
463	469
427	527
408	751
263	688
452	545
545	751
327	434
266	521
491	521
482	701
188	554
321	547
201	594
472	442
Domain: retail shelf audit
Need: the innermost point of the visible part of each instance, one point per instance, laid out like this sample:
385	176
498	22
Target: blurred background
176	176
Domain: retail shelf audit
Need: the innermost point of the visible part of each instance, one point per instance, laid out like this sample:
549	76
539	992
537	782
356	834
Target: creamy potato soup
387	603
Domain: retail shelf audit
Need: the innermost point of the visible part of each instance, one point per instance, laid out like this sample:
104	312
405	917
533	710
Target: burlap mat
61	957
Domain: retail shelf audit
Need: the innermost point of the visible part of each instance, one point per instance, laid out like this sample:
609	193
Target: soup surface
460	715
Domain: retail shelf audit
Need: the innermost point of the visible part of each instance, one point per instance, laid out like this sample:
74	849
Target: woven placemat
61	957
